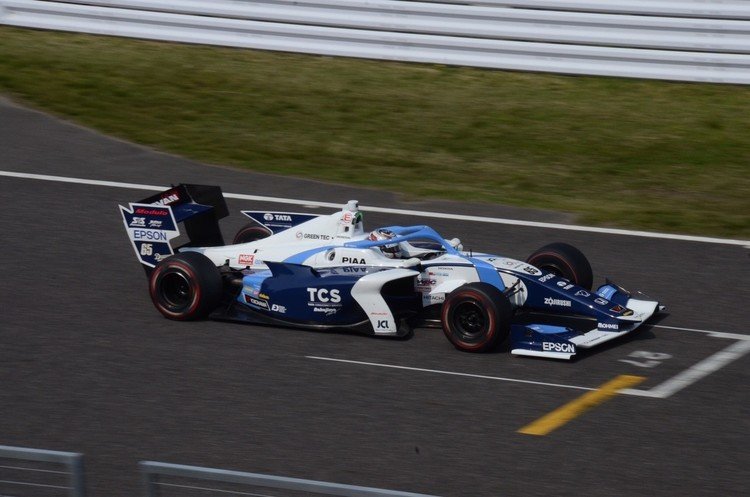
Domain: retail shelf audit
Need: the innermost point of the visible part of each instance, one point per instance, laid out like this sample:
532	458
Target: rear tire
476	317
186	286
250	233
564	261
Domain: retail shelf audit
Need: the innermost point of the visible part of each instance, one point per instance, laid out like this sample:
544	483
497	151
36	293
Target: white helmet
392	250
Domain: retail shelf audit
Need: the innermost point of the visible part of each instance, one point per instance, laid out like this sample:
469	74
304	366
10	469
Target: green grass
616	152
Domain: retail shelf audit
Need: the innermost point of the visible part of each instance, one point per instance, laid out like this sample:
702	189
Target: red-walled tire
250	233
476	317
565	261
186	286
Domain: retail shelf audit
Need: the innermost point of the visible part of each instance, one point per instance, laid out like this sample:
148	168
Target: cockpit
399	242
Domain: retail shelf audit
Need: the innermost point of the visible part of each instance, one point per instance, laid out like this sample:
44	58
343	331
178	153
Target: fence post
77	476
149	480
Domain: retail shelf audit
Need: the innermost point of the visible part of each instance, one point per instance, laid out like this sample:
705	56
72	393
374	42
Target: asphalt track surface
88	365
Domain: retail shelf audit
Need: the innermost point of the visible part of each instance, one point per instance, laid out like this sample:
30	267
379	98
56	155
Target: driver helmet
392	251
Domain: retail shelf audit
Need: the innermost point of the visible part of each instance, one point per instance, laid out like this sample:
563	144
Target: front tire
186	286
564	261
476	317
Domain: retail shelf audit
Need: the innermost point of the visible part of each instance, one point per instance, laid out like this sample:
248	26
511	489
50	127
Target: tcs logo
323	295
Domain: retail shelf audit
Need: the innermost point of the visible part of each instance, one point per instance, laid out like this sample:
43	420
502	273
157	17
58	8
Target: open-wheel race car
327	272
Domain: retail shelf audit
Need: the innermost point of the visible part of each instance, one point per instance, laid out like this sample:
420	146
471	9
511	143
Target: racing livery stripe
488	273
303	256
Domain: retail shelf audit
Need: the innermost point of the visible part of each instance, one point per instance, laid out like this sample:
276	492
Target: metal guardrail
76	486
151	471
582	28
710	42
716	9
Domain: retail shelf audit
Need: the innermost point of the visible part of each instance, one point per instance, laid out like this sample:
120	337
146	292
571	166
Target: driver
393	250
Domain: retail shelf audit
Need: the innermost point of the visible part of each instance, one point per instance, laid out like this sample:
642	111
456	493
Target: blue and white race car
327	272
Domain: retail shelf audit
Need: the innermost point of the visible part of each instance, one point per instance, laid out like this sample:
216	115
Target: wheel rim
469	322
176	290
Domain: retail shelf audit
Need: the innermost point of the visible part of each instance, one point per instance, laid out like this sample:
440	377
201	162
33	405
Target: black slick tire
186	286
564	261
476	317
250	233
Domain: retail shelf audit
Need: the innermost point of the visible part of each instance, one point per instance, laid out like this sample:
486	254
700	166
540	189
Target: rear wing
153	222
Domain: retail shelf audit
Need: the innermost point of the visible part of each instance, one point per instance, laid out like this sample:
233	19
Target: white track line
696	372
715	334
428	214
662	391
451	373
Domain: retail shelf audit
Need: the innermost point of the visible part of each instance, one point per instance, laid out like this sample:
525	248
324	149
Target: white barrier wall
683	40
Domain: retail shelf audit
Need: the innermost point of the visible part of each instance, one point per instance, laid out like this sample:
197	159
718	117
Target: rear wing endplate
152	223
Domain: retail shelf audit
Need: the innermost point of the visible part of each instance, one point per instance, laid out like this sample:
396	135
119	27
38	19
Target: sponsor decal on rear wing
150	229
152	223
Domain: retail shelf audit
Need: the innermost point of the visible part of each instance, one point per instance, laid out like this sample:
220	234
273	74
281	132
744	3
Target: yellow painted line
571	410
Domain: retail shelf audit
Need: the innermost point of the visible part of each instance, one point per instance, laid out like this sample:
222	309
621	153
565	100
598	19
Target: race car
327	272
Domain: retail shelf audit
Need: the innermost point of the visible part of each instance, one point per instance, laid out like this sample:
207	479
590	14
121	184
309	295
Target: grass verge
628	153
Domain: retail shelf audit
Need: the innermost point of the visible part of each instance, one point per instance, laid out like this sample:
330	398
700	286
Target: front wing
563	342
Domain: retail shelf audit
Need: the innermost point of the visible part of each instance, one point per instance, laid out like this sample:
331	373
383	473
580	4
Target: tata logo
323	295
558	347
583	293
277	217
353	260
